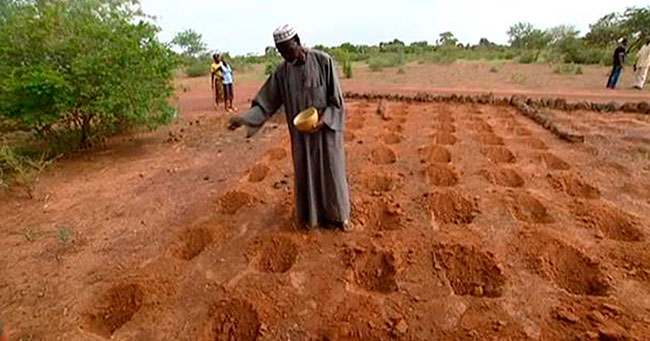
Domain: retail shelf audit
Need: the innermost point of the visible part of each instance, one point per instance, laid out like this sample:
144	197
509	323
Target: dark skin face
292	52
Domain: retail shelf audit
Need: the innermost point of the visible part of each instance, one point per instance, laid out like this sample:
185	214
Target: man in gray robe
307	79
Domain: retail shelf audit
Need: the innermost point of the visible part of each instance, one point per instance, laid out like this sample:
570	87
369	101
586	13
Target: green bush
197	69
347	69
385	60
87	66
271	66
565	69
528	57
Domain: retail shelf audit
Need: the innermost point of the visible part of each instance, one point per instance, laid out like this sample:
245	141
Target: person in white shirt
641	66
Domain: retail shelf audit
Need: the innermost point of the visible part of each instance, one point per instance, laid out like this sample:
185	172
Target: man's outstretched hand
235	122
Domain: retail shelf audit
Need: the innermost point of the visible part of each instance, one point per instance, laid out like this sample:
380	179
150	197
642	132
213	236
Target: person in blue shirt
227	80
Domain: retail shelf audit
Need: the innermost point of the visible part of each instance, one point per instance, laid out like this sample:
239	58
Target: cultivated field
472	222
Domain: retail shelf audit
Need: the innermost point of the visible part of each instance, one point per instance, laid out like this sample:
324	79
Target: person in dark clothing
617	67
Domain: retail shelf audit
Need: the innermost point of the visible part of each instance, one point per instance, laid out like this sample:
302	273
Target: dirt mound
383	155
553	162
489	139
356	124
535	143
377	272
503	177
277	154
190	243
234	200
233	320
357	318
276	254
450	207
567	267
499	155
444	138
482	126
470	271
395	128
521	131
612	222
258	173
387	216
445	127
441	175
573	186
379	182
527	208
392	138
114	309
349	136
488	320
436	154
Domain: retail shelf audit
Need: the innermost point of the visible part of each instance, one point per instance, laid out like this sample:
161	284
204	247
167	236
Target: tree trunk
85	132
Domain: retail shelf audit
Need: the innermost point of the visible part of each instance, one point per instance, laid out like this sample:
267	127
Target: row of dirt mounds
508	233
345	291
490	99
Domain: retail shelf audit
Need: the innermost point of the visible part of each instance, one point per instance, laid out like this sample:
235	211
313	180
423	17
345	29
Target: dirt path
472	223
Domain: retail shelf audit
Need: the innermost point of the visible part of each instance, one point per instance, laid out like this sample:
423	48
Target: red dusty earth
471	223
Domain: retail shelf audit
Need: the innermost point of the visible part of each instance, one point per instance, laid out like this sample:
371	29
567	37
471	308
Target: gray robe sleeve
333	115
266	103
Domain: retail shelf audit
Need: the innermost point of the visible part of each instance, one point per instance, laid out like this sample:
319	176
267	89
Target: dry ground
472	223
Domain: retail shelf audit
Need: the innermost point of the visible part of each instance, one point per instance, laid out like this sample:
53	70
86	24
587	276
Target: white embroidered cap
283	33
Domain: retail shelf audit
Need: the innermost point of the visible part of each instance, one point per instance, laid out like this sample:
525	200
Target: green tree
84	66
447	39
526	36
606	31
191	43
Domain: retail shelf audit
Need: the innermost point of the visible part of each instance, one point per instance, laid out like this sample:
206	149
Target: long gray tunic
321	185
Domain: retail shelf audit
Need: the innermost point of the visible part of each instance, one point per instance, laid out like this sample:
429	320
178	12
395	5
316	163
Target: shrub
88	66
565	69
271	66
528	57
197	69
347	69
